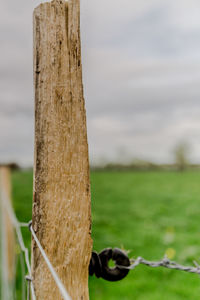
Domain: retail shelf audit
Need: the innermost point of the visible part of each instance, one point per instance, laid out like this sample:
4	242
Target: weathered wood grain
61	194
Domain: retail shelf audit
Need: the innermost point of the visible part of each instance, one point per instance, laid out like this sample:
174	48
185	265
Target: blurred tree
181	156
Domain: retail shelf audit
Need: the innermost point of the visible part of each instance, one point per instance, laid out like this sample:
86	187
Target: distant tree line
181	163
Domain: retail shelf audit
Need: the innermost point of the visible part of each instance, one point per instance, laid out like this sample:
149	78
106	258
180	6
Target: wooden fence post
8	236
61	194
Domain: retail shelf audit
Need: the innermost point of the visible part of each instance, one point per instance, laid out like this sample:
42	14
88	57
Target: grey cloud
141	67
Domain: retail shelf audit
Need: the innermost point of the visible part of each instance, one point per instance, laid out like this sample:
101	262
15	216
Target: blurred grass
148	213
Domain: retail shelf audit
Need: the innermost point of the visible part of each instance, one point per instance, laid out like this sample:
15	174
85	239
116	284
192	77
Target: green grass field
148	213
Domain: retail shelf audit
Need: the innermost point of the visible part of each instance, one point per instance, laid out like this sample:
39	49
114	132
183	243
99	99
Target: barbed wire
165	262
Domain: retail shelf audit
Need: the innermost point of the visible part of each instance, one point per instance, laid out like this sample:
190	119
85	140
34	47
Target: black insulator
99	264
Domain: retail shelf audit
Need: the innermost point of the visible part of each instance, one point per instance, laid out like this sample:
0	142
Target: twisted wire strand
165	262
50	267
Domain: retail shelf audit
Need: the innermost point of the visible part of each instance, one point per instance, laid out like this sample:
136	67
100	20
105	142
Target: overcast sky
141	72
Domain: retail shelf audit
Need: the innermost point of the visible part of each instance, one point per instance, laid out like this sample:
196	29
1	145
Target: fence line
6	293
17	225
